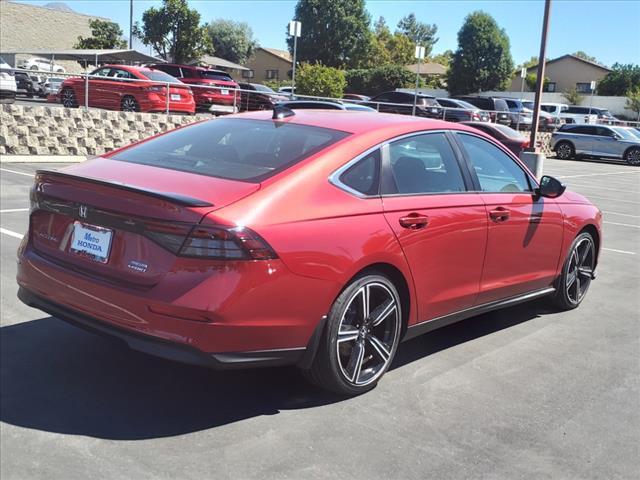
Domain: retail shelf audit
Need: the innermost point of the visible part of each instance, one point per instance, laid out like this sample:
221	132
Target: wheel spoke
364	296
347	333
585	272
380	348
388	309
583	256
577	287
571	278
355	362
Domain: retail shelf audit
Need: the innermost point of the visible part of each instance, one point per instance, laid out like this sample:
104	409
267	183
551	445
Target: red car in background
128	88
510	138
315	238
215	100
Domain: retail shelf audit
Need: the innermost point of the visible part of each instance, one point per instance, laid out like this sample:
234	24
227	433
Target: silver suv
574	140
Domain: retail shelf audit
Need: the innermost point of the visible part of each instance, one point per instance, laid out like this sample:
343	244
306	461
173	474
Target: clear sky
606	29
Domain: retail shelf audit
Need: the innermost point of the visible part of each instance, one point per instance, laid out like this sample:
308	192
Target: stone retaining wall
54	130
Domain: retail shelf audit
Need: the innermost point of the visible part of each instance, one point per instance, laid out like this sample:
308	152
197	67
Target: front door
525	231
441	227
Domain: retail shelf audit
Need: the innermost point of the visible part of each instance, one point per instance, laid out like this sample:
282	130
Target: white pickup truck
569	114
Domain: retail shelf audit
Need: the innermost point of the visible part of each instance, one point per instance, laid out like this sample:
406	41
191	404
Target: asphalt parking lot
521	393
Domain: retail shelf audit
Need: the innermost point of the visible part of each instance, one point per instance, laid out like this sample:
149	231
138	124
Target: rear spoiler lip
176	198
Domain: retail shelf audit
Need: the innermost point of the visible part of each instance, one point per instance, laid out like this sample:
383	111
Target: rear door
524	231
605	143
441	227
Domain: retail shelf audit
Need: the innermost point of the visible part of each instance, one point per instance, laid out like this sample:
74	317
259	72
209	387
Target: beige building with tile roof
565	72
268	64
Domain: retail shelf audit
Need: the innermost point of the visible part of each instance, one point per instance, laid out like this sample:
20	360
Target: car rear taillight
475	116
525	144
223	243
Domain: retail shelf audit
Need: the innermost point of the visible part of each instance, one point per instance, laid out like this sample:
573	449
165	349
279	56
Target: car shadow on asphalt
58	378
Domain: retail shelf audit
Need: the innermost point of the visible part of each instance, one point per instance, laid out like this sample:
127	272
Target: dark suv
215	100
497	107
426	105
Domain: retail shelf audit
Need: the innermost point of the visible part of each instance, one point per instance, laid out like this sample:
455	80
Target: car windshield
158	76
624	133
262	88
210	75
529	105
234	149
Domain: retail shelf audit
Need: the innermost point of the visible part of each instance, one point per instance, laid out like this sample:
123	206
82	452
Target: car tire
33	67
632	156
360	337
129	104
564	150
68	97
577	273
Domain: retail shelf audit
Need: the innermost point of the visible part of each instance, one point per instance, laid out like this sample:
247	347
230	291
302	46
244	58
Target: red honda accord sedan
320	238
130	89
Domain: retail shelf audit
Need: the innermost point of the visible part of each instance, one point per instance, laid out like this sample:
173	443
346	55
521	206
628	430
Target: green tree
633	101
531	79
573	96
334	32
232	40
419	33
387	48
443	58
174	31
321	81
584	56
104	35
620	80
483	60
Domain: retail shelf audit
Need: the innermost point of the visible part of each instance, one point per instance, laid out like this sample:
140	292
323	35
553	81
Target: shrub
573	96
633	101
358	80
321	81
390	77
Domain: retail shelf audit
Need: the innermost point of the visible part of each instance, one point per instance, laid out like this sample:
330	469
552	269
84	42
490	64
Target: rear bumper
165	349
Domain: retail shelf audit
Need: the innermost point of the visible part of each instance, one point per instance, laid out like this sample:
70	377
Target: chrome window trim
334	178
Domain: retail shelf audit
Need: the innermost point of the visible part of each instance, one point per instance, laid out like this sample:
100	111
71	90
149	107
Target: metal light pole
523	74
130	24
540	78
294	30
419	54
593	90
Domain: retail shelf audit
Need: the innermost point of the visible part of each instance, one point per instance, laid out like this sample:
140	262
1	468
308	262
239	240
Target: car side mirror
550	187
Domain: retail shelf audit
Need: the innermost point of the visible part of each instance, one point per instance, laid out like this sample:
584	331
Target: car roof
359	122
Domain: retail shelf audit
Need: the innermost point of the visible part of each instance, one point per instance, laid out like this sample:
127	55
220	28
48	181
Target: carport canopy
89	56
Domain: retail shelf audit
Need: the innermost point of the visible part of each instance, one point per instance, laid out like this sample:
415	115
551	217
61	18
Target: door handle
499	214
414	221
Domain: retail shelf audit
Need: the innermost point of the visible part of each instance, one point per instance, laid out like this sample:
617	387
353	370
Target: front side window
235	149
496	171
364	176
424	164
102	72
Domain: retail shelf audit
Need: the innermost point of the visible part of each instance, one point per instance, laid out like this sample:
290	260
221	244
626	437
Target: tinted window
261	88
159	76
188	73
501	105
447	103
425	164
384	97
604	132
173	71
364	175
212	75
496	171
237	149
583	130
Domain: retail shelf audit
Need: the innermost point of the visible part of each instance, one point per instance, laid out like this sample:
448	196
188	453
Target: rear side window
170	70
159	76
425	164
209	75
496	171
364	176
235	149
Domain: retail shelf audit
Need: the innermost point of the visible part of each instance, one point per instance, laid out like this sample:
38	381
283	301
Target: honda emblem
83	211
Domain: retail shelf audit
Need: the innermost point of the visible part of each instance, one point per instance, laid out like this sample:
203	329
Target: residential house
565	72
233	69
268	64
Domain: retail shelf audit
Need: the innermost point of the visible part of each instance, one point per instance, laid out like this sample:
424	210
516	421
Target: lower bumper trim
163	348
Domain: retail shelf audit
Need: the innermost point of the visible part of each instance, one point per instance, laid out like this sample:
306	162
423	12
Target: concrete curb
42	158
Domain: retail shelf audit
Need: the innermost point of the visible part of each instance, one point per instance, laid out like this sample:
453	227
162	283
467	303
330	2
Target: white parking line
618	251
614	199
597	187
11	234
621	214
11	210
622	224
598	174
16	172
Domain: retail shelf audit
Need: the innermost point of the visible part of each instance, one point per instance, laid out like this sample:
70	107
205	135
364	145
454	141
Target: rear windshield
158	76
235	149
508	131
209	75
262	88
